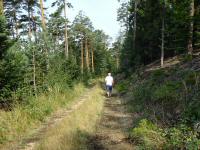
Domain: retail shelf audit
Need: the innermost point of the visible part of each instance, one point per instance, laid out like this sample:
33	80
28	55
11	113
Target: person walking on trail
109	84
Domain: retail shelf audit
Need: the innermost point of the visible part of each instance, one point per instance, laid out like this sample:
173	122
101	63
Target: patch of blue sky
103	13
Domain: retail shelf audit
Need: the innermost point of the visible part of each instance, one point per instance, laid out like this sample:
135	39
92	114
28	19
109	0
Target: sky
102	13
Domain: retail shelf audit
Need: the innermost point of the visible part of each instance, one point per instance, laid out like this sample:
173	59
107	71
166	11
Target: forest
47	61
159	54
38	53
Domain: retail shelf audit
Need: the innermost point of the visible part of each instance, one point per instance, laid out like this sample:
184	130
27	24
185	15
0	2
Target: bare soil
112	130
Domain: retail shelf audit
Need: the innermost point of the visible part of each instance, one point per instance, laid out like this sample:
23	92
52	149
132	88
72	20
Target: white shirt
109	80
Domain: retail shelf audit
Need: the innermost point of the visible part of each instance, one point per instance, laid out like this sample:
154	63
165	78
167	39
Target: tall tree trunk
34	70
135	23
87	54
42	15
29	22
44	34
1	7
13	29
163	34
16	23
34	59
30	15
89	50
191	29
117	60
92	51
66	34
82	56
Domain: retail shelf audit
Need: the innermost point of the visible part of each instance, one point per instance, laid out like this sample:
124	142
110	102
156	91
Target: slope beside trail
112	130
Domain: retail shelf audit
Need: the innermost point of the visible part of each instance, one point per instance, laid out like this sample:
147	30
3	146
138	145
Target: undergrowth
167	101
16	123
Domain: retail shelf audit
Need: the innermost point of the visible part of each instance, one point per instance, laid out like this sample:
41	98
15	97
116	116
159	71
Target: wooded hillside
159	51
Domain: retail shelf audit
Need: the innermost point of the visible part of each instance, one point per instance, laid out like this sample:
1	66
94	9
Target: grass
74	130
19	122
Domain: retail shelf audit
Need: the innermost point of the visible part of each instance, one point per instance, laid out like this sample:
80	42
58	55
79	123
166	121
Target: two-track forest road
93	122
112	130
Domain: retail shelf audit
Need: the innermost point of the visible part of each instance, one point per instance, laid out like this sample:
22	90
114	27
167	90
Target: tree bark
29	22
92	60
66	34
163	40
191	29
34	59
135	23
82	56
42	15
16	23
34	71
163	35
87	54
117	60
89	50
1	7
30	15
44	34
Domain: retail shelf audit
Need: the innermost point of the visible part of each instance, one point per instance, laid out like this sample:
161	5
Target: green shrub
122	86
186	58
148	135
157	76
143	92
191	78
167	91
181	137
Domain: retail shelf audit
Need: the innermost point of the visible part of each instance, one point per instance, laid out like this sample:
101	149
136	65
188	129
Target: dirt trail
28	143
112	130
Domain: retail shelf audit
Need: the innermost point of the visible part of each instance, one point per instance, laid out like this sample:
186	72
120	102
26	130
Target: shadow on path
112	130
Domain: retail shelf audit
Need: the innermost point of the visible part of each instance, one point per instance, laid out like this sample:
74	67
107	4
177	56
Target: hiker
109	84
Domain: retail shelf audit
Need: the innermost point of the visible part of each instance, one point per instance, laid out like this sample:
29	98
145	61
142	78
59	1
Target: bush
122	86
148	135
181	137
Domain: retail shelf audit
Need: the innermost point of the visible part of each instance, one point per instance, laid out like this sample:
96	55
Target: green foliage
146	47
167	91
158	75
186	58
14	124
35	76
122	86
63	72
4	41
170	98
181	137
12	72
148	135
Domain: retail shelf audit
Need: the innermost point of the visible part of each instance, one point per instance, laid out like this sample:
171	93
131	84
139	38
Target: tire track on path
28	143
112	131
